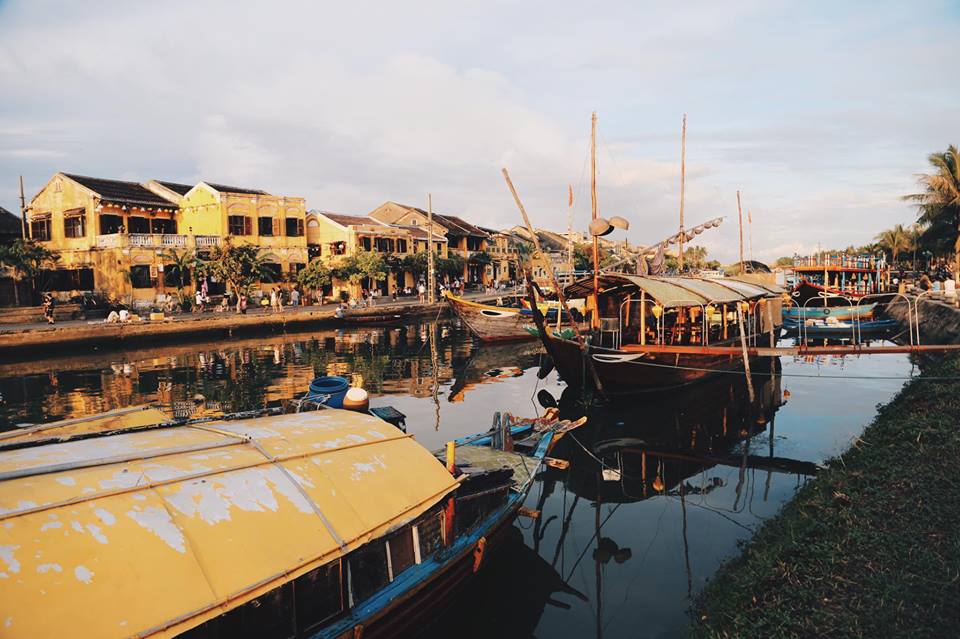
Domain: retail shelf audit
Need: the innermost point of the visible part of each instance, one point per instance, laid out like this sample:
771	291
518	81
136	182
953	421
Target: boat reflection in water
601	524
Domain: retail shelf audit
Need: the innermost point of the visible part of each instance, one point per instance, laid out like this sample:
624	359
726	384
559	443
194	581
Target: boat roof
676	291
151	532
115	420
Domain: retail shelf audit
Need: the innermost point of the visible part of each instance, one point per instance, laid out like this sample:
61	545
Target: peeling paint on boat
83	574
7	556
45	568
157	521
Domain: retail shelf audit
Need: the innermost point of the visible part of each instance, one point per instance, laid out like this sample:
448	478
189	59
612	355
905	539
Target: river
659	492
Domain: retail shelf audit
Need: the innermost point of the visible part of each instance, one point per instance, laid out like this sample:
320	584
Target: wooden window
273	272
40	230
163	226
265	226
401	551
368	571
140	276
401	246
430	534
319	595
73	226
384	245
110	224
365	243
294	227
239	225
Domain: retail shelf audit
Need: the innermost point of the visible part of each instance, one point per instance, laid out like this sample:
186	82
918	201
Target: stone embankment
39	340
939	321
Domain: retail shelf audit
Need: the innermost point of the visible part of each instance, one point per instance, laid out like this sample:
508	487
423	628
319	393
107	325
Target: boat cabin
643	310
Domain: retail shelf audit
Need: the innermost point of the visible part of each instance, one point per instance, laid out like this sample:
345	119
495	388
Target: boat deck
484	458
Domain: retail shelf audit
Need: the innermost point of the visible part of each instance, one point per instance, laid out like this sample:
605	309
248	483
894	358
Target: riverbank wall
869	548
19	343
939	321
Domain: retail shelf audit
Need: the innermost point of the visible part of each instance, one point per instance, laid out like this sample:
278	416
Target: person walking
294	297
198	301
273	300
49	306
422	292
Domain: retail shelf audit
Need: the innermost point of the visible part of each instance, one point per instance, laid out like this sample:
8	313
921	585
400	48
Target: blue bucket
335	387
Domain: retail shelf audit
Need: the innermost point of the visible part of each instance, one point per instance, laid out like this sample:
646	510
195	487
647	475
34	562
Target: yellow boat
320	524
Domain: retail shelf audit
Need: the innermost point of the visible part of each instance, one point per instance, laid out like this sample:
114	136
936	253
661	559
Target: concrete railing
155	240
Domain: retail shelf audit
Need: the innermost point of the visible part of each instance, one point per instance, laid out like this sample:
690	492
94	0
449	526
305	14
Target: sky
820	113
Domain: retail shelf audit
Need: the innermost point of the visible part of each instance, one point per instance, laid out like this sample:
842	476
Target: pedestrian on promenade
422	292
273	300
294	297
242	304
198	301
49	306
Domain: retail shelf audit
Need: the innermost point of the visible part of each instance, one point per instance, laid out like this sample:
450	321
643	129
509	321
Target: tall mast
750	231
683	176
740	214
431	284
593	215
570	227
23	213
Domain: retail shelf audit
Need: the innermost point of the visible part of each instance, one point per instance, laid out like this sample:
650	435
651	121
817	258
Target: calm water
659	491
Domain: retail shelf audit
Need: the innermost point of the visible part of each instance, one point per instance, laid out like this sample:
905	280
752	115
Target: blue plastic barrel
335	387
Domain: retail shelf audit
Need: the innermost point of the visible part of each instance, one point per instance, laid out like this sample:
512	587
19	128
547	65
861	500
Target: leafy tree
183	262
418	264
27	259
695	257
315	276
360	265
938	205
481	257
582	257
784	262
452	265
240	266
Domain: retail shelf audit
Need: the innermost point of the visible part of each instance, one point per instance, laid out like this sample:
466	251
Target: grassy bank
871	547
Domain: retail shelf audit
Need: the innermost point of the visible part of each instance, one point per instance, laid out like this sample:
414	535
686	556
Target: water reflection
239	375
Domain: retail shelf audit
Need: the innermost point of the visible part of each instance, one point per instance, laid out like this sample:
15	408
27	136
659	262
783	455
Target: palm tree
894	240
939	203
182	262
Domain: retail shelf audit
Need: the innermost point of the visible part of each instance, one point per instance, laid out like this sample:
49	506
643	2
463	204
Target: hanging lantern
657	310
694	312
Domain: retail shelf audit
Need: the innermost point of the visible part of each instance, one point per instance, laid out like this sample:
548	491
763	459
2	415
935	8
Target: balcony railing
156	240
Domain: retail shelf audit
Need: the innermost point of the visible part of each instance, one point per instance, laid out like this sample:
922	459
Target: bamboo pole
23	215
595	316
683	175
431	276
740	214
746	358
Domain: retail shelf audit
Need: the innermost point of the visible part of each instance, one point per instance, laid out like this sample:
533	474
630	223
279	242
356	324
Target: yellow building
463	239
556	247
112	235
333	236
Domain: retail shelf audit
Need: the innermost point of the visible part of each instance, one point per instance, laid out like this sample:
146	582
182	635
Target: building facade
115	237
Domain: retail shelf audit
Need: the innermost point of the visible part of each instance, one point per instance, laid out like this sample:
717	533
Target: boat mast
740	214
570	228
431	285
595	317
683	175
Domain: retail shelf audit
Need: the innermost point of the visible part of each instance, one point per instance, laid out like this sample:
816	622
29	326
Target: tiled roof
235	189
453	224
420	233
120	192
182	189
348	220
9	224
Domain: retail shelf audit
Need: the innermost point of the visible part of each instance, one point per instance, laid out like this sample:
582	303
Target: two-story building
332	236
556	247
463	239
115	237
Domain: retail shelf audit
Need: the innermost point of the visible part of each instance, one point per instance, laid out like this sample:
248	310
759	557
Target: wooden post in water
746	358
643	316
683	175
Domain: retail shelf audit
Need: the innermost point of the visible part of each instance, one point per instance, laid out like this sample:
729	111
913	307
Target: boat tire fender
826	310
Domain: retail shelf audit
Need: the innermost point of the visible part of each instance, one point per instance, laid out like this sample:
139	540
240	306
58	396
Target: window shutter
248	226
276	226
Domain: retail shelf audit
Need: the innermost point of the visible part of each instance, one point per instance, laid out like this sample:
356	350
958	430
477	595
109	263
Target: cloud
819	113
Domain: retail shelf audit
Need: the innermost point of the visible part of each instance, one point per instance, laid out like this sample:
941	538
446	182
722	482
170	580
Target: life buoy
826	310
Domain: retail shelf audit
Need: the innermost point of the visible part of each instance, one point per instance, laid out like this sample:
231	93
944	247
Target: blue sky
819	112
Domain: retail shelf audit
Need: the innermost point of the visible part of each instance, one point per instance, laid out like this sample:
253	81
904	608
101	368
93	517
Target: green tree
360	265
239	266
784	262
315	276
582	257
694	257
27	259
183	262
938	205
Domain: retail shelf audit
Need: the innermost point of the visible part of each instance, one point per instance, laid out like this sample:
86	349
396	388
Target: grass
871	547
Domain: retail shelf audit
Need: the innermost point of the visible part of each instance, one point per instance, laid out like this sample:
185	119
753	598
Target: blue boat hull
840	312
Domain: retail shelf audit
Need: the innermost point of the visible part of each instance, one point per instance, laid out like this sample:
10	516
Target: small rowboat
824	328
819	312
491	323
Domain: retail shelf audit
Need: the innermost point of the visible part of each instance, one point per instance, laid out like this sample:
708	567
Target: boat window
270	615
319	595
401	551
368	571
430	534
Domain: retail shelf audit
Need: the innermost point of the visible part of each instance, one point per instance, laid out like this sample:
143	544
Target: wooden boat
821	312
491	323
839	329
370	316
642	321
823	276
323	524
